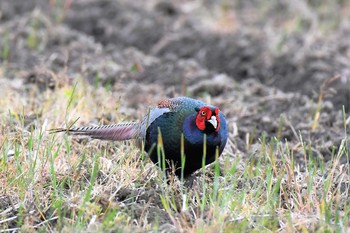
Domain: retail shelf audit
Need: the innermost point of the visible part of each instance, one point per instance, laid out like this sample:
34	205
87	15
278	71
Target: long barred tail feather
115	132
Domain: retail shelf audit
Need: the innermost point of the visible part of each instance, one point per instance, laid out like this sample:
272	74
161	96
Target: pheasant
167	122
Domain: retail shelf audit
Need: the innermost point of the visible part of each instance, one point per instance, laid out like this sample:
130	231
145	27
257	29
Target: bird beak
213	121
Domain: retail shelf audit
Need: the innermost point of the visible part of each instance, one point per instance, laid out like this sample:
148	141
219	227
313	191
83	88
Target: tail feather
115	132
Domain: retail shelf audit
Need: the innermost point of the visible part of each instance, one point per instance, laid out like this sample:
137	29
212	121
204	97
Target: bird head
208	118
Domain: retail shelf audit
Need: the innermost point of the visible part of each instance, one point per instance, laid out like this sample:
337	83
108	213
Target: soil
266	79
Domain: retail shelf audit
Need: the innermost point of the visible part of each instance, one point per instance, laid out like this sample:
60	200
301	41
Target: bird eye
203	113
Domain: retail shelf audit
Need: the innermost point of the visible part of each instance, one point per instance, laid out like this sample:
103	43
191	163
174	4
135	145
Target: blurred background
292	45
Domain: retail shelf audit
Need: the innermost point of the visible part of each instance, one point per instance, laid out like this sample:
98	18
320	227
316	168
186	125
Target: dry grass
55	183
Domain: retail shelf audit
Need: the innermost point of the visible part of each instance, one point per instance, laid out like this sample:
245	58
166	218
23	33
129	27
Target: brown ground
266	66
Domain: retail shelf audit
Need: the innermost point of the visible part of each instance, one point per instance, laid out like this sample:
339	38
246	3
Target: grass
57	183
323	90
5	53
59	9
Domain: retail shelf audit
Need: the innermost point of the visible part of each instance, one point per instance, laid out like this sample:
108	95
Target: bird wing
167	103
152	115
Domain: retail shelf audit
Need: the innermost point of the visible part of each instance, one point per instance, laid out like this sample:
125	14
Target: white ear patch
213	121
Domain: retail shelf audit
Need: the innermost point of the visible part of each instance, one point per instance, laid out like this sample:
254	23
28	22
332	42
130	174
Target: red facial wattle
205	114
